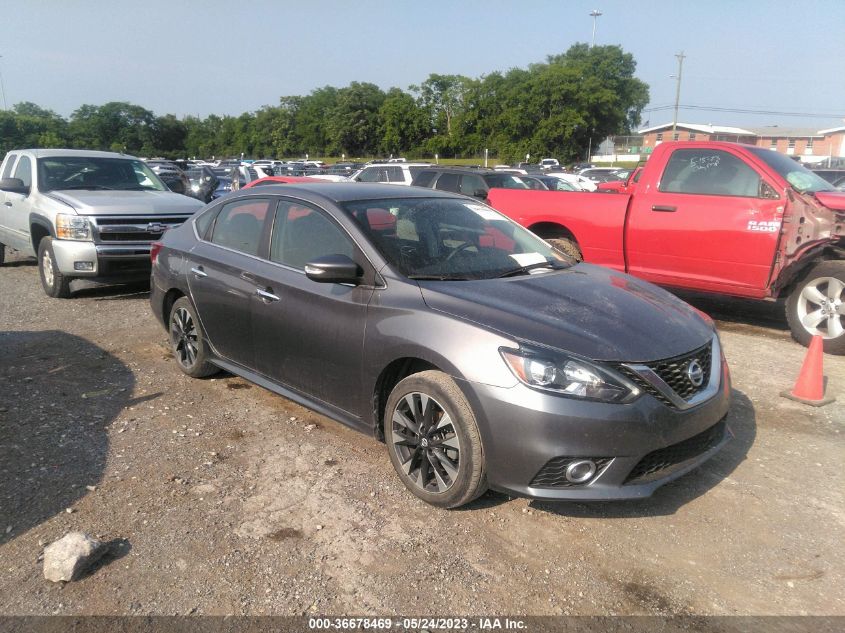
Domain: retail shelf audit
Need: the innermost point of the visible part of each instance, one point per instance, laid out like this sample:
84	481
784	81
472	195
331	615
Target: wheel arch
390	376
551	230
39	228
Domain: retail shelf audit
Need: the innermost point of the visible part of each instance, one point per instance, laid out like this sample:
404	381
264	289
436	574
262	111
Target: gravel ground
220	498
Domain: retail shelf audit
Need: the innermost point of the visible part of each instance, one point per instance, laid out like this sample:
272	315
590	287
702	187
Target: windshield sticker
526	259
765	227
484	212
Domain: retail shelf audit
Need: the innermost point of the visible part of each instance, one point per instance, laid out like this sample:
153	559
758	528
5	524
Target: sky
228	57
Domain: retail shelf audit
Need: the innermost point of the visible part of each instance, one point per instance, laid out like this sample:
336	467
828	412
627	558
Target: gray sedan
481	356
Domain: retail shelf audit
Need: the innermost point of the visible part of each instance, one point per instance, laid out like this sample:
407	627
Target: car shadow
735	310
667	499
109	292
60	394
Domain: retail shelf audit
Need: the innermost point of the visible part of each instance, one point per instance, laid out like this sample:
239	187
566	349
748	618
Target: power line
839	115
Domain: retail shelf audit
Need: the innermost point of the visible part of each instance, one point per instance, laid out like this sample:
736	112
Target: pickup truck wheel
567	247
2	253
187	340
817	307
55	284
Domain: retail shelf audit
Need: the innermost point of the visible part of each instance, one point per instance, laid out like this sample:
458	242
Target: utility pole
595	13
3	88
680	57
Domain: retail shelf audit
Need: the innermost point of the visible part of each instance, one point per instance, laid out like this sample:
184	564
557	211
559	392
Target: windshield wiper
522	270
436	278
92	187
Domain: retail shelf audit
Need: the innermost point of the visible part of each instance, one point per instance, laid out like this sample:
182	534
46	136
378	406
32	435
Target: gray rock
70	556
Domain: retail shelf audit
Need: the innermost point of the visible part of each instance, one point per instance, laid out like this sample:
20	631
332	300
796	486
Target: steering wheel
459	248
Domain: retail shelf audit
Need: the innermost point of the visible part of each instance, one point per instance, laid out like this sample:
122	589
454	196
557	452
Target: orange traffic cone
809	388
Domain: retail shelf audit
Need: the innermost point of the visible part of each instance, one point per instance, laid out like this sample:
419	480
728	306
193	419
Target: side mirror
480	194
14	185
333	269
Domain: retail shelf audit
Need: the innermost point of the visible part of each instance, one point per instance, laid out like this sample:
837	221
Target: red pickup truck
716	217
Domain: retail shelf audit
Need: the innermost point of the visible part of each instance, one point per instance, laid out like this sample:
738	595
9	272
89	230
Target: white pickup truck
85	214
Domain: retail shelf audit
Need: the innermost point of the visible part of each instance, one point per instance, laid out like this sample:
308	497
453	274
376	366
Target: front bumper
128	261
527	435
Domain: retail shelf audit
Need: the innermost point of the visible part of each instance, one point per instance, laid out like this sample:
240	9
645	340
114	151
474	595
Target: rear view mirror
14	185
333	269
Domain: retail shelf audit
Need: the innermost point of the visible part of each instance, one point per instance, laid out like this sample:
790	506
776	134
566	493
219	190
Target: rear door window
10	162
423	177
24	171
394	174
370	175
239	225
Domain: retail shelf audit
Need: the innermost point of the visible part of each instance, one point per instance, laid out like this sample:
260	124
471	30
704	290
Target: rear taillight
155	247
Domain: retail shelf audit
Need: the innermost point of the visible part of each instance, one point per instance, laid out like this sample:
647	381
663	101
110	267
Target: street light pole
595	13
2	87
680	57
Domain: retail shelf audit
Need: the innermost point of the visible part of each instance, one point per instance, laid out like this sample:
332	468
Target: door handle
7	203
266	296
199	272
664	208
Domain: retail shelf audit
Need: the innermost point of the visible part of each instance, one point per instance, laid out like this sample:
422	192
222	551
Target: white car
549	163
584	184
392	173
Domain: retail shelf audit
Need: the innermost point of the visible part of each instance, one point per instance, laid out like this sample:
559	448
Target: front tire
187	340
816	306
2	253
433	440
55	284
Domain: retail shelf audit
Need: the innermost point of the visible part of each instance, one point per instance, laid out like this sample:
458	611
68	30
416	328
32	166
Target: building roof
841	128
696	127
787	132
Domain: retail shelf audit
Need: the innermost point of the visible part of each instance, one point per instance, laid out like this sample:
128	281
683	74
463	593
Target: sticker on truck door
764	227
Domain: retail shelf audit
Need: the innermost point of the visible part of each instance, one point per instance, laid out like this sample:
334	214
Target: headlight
567	376
72	227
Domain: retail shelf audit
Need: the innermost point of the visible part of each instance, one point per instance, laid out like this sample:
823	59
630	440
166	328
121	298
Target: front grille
673	371
553	474
112	229
665	461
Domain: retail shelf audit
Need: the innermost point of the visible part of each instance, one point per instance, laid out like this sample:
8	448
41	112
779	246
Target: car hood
832	199
587	310
126	202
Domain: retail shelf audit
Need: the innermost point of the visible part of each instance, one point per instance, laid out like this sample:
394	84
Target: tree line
555	108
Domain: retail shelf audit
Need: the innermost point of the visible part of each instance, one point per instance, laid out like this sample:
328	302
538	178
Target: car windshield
451	239
76	172
801	178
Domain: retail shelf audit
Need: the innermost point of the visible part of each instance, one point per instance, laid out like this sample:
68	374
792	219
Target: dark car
477	353
468	181
203	183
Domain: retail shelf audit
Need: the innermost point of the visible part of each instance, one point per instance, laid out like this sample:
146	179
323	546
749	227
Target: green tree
353	124
403	124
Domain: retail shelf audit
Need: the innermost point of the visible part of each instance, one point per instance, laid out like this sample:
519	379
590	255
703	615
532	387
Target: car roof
348	191
81	153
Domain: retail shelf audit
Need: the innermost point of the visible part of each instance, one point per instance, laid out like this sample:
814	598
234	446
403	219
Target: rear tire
187	340
55	284
567	247
817	306
433	440
2	253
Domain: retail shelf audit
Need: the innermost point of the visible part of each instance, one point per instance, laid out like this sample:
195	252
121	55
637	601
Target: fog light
580	471
83	266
